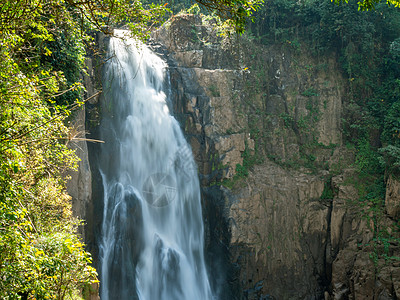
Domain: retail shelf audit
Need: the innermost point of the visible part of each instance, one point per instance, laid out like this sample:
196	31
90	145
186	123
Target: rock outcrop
392	201
264	123
83	124
79	186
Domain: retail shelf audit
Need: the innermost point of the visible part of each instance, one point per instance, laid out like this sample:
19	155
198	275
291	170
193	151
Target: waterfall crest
152	232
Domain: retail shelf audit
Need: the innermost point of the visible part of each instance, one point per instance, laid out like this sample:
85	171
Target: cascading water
152	231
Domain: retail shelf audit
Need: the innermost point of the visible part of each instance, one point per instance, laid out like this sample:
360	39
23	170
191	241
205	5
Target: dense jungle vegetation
42	50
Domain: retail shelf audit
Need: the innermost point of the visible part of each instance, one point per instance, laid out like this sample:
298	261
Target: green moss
327	193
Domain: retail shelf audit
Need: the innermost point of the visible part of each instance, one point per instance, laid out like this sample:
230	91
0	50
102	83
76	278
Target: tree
40	254
370	4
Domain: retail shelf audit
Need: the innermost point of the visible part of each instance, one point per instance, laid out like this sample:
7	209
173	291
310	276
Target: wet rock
166	271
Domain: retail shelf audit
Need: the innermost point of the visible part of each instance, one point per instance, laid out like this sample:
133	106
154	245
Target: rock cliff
279	191
279	186
84	122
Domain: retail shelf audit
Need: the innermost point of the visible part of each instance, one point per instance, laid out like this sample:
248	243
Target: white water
152	231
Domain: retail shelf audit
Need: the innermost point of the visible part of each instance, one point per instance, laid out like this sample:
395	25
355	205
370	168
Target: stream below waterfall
152	245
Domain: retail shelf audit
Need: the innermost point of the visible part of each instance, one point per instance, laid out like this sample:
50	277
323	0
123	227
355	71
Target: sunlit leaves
40	255
42	267
364	5
235	12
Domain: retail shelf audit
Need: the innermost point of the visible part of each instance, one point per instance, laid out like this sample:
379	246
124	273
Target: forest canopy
370	4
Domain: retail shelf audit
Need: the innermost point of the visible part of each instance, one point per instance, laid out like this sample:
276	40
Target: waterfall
152	230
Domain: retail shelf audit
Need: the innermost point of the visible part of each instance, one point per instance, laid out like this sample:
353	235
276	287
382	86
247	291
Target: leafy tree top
370	4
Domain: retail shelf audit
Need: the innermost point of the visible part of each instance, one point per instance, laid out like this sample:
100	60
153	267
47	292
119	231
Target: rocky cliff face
79	187
264	123
84	121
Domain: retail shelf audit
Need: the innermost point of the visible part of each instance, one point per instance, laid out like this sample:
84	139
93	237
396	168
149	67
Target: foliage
391	157
391	130
250	158
370	4
104	15
194	9
310	92
236	12
386	235
42	266
41	55
214	90
327	193
368	159
231	13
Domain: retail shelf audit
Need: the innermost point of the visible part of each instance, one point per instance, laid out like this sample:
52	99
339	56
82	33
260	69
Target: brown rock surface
79	187
291	227
392	201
